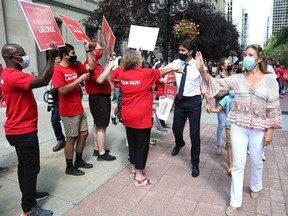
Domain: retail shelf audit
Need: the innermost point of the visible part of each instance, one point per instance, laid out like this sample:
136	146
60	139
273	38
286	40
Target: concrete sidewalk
107	189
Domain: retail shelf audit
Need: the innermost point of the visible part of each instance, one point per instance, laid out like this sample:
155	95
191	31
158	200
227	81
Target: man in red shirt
22	116
66	79
99	90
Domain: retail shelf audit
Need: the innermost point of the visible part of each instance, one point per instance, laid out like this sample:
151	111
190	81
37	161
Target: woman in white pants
253	116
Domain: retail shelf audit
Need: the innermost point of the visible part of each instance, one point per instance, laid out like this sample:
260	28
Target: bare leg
100	136
94	137
81	141
69	147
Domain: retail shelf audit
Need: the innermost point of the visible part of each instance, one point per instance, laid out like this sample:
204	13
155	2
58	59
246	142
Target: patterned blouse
255	107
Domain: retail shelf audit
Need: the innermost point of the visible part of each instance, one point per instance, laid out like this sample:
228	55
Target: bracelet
87	51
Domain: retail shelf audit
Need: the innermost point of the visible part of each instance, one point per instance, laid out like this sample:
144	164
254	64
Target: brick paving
175	192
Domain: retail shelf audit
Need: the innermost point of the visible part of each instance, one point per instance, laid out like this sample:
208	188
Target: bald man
22	116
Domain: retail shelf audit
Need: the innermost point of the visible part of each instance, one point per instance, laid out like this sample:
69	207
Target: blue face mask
26	61
249	62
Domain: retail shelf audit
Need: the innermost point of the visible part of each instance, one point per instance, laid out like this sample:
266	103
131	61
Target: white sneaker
218	151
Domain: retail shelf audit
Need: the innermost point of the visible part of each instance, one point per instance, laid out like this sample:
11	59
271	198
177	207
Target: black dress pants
27	150
188	107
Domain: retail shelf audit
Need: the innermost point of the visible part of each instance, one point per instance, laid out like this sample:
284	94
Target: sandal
133	174
153	141
142	182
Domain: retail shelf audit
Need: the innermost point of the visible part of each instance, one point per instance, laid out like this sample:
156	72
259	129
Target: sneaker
229	170
74	171
248	152
83	164
106	157
218	150
60	145
3	169
254	195
37	211
41	195
120	121
96	152
264	155
231	211
113	119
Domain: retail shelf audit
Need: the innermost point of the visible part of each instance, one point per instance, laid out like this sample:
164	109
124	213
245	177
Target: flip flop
143	182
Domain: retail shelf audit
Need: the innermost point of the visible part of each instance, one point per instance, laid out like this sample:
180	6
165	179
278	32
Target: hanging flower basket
185	29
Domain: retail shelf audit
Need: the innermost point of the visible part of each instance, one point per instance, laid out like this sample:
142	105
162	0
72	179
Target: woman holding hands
253	116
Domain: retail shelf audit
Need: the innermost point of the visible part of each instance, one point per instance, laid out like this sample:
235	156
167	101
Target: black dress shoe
175	151
195	172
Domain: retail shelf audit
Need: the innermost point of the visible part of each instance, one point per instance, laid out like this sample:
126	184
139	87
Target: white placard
164	108
142	37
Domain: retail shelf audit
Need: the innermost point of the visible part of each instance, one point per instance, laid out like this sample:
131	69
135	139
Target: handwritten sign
42	24
164	108
108	36
74	28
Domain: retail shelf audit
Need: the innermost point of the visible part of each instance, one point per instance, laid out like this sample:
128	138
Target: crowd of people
247	106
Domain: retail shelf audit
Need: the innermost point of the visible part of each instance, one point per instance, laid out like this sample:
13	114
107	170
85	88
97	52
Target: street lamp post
172	7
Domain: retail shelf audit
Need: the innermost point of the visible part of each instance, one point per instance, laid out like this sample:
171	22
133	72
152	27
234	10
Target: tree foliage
277	47
217	36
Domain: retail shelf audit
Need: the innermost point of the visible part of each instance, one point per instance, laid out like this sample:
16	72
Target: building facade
280	16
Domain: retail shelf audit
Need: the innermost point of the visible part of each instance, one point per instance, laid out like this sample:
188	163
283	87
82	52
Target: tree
217	36
277	47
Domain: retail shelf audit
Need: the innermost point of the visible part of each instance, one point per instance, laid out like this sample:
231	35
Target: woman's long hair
219	67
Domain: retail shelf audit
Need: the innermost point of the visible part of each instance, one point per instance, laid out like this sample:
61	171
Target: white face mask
26	61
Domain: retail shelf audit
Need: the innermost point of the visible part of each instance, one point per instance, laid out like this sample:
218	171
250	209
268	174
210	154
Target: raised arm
44	77
200	66
88	48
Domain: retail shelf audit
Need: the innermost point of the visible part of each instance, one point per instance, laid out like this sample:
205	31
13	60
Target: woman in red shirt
136	87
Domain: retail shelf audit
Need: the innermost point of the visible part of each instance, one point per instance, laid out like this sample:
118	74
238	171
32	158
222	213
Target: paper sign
164	108
170	91
142	37
42	24
108	36
74	28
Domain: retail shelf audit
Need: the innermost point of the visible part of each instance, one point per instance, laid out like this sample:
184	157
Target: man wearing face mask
187	102
66	79
22	116
99	90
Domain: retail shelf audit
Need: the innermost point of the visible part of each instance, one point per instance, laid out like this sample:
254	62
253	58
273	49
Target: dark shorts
100	107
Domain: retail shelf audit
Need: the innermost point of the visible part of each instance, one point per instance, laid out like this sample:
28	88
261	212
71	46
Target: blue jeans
55	120
27	150
116	93
188	107
221	121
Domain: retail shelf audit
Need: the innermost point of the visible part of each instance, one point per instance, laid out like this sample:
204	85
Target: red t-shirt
159	88
115	75
21	112
136	87
69	104
92	87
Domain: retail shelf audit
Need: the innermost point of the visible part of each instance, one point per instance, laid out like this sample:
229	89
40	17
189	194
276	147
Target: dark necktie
182	83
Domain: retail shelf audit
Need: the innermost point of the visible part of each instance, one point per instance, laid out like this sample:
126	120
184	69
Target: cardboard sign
164	108
143	37
170	91
108	36
42	24
74	28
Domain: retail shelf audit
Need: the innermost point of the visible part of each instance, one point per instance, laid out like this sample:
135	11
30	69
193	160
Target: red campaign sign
74	28
170	91
108	36
42	24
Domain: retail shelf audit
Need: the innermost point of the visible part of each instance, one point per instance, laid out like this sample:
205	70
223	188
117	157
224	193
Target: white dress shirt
193	77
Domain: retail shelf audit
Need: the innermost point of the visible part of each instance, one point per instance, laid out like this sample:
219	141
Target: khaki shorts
228	137
75	124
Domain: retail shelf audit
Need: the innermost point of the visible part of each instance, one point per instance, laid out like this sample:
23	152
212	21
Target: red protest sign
74	28
170	91
42	24
108	36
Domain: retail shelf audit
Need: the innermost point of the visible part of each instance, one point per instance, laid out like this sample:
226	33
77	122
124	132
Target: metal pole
166	34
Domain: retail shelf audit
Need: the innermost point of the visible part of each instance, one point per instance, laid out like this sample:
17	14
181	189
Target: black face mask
72	59
229	68
182	56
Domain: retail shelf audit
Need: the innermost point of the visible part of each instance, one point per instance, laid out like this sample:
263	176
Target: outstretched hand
199	61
